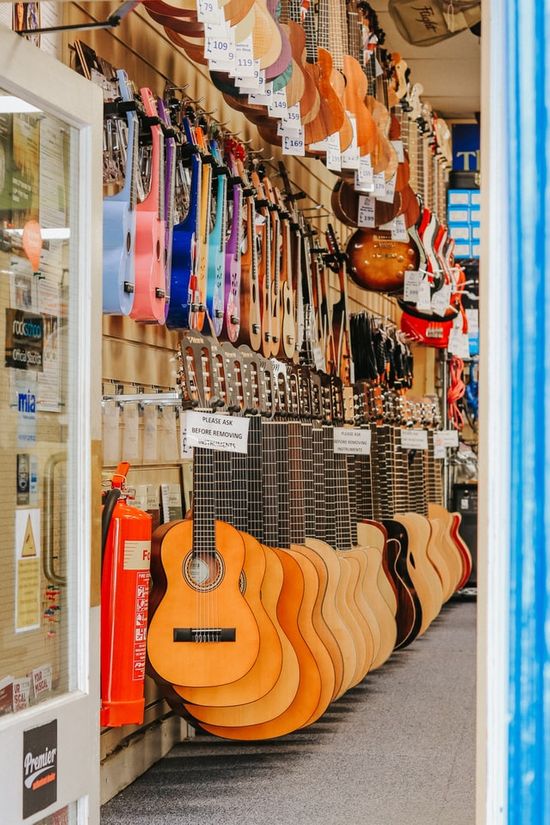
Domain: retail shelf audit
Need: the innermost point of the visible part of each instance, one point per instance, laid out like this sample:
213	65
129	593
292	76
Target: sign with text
350	441
226	433
39	768
414	439
24	347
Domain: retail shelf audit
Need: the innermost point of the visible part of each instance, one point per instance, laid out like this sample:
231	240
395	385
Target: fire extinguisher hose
108	508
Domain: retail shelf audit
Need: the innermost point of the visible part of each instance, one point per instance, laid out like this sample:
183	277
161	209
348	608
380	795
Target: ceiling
449	72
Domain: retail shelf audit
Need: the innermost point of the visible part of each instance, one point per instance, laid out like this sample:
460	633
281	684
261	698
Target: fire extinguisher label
140	630
137	555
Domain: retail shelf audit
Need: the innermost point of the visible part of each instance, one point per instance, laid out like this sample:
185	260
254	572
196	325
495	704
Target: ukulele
262	239
119	215
232	314
250	330
184	297
215	274
150	290
340	313
287	346
200	131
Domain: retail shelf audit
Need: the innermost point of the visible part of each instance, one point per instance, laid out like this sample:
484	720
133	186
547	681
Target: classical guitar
150	291
288	311
202	631
250	330
184	298
119	215
262	235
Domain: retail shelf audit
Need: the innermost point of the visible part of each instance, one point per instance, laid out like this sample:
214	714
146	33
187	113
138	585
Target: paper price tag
245	64
459	344
410	289
366	213
334	158
399	150
414	439
252	84
226	433
278	106
424	299
364	175
294	144
208	11
389	190
379	186
219	47
263	98
440	451
448	438
441	299
472	316
399	231
293	117
350	441
350	158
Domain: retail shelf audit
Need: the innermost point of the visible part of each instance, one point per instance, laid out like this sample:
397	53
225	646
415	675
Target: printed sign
25	399
39	768
6	695
171	502
41	681
24	347
137	555
216	432
27	570
23	478
414	439
140	627
447	438
21	693
352	441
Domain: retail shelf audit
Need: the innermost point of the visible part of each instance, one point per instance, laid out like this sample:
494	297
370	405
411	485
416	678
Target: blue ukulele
119	219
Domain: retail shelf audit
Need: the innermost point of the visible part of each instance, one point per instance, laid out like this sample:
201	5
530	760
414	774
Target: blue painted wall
527	95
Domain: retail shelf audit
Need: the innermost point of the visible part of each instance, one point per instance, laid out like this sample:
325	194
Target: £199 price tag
424	299
367	211
410	287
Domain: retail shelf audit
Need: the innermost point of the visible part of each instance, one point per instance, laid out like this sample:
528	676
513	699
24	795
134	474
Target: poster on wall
27	570
39	768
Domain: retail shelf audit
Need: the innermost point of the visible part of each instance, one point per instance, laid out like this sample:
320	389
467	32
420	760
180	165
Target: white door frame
28	73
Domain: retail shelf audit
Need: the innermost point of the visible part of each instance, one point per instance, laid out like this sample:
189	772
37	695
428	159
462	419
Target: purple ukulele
232	301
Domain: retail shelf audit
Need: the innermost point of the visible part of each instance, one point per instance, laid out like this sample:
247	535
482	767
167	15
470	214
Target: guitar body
119	225
119	243
232	300
409	610
314	631
463	550
279	69
183	284
250	331
280	696
354	102
310	100
150	288
215	290
176	603
330	117
451	551
438	559
373	534
325	614
349	577
341	618
306	700
263	588
358	559
421	571
375	599
149	297
288	321
377	263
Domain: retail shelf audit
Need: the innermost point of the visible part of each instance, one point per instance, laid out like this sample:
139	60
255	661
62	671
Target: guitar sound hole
128	243
158	250
242	582
254	293
203	572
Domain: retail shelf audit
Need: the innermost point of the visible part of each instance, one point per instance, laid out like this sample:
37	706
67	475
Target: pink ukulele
150	290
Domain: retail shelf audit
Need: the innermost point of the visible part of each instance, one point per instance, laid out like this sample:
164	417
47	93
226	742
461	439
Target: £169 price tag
294	143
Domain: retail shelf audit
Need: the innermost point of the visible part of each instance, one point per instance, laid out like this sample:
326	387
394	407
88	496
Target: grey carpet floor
397	750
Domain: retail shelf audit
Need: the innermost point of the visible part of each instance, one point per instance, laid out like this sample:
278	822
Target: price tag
448	438
293	117
208	11
440	451
245	64
389	190
399	230
379	186
254	83
473	321
350	158
441	299
367	211
294	144
411	284
399	150
334	153
278	106
219	47
318	358
263	98
226	433
414	439
424	299
459	344
351	441
364	176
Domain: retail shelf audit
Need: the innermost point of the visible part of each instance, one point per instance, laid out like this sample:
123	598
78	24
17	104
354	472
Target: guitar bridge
204	634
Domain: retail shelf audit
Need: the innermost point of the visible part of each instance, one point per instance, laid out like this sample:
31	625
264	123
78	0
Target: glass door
50	212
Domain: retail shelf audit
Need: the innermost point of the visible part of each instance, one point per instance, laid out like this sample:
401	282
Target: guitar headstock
199	375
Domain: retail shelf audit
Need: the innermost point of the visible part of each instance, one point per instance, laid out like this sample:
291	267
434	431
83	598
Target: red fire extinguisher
126	552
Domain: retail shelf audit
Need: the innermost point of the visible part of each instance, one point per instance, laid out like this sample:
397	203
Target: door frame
41	80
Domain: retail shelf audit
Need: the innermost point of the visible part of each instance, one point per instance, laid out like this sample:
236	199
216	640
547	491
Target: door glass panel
38	277
65	816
